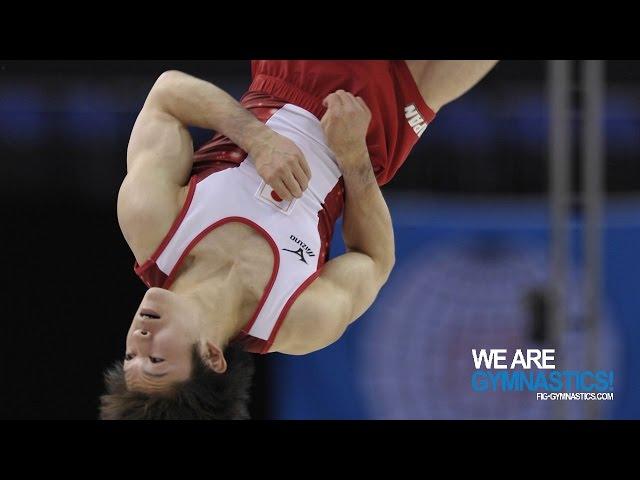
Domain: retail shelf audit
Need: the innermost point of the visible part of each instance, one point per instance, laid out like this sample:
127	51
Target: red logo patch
275	196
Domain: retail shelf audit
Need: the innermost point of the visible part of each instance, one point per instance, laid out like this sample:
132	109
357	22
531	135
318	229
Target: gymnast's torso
226	212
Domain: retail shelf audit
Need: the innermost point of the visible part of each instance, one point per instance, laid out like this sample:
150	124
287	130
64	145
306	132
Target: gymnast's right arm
348	284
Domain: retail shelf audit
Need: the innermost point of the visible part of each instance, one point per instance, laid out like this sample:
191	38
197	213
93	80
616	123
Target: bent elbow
164	87
167	78
392	262
386	267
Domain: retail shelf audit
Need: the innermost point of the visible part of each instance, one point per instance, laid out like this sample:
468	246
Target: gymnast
232	241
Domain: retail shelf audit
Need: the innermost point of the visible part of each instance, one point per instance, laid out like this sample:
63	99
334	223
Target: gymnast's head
177	365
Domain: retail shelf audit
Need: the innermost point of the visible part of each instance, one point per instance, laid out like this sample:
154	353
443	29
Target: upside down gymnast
233	240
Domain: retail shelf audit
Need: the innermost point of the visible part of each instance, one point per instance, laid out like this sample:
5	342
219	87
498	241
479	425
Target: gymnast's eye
128	357
156	359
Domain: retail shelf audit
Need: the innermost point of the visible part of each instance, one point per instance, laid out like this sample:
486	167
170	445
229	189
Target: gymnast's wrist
354	160
255	135
359	178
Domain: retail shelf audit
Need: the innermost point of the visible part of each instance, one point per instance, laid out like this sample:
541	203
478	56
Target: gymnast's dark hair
207	395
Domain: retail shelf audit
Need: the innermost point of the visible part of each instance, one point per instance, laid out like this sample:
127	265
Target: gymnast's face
160	342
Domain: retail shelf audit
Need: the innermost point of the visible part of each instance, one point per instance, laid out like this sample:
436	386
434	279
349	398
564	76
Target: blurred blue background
471	219
467	276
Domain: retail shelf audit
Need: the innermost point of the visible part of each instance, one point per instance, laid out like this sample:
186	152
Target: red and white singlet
225	186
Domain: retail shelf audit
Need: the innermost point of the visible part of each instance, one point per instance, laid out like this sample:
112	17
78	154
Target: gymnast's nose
141	333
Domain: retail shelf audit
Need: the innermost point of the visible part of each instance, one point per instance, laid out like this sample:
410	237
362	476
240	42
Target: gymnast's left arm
178	100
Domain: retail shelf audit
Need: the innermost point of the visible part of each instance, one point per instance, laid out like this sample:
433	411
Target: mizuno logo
415	120
300	251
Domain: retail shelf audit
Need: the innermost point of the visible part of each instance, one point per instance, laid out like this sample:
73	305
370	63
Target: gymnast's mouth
148	313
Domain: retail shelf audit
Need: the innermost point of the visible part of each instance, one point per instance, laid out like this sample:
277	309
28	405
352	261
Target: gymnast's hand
280	163
345	125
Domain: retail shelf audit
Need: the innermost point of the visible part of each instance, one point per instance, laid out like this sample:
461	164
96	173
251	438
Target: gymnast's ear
214	357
